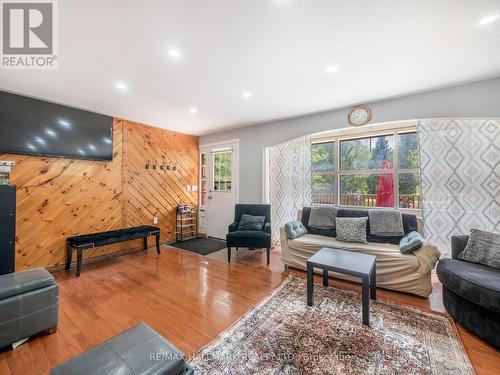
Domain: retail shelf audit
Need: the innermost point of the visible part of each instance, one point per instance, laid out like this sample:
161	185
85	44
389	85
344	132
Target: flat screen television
36	127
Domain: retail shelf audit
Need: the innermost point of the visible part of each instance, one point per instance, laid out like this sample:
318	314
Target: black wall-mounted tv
36	127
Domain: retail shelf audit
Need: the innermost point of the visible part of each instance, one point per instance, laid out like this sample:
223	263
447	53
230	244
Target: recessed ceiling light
50	133
120	85
40	140
92	147
107	140
331	69
282	2
246	94
81	152
489	19
193	110
31	146
174	53
64	123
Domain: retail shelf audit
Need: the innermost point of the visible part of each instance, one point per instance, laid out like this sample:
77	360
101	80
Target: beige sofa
410	273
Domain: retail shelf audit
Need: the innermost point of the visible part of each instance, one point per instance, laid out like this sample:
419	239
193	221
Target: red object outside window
385	189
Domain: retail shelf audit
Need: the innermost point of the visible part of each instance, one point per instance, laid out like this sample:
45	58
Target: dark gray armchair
249	238
471	293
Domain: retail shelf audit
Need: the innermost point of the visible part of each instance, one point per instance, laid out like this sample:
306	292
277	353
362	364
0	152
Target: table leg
365	300
79	259
325	277
310	285
157	235
69	252
373	283
145	242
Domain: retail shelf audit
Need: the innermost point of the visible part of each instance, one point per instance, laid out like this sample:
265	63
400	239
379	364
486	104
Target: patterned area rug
282	335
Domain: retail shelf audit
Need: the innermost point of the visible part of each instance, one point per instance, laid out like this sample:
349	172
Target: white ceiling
276	49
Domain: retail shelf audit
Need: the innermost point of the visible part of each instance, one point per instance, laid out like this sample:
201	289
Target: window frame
355	135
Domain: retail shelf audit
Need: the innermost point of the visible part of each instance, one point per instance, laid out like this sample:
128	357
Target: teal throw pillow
294	229
411	242
249	222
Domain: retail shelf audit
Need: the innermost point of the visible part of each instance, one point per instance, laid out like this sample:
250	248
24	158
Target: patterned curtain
289	181
460	171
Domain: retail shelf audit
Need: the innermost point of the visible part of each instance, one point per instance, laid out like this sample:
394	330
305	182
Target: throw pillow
351	229
411	242
249	222
322	217
483	247
294	229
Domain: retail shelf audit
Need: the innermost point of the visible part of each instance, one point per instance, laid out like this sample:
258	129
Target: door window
222	165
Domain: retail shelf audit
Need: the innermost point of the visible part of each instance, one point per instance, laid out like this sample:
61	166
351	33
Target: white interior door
219	191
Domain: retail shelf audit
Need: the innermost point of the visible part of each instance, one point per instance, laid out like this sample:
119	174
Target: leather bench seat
139	350
111	237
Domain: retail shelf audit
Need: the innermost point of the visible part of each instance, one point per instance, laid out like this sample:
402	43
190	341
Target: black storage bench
89	241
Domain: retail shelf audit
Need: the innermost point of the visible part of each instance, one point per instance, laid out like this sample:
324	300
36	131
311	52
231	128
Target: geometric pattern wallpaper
289	181
460	172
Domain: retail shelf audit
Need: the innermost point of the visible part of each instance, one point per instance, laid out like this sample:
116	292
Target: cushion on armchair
294	229
250	222
483	247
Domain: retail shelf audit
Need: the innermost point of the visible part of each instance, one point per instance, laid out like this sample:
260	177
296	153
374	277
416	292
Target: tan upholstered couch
410	273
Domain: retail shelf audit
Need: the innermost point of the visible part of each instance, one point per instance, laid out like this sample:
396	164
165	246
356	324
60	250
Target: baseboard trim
104	257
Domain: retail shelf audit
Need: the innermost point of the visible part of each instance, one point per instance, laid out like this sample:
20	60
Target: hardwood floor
187	298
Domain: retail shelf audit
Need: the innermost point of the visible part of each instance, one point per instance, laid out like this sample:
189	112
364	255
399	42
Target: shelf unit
186	225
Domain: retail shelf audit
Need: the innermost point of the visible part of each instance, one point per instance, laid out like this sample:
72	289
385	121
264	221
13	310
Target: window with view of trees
222	163
377	171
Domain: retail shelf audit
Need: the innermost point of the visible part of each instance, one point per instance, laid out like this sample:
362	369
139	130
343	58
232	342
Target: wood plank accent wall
58	198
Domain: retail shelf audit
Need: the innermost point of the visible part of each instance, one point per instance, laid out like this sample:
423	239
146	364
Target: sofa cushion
250	222
17	283
294	229
409	225
351	229
323	217
306	213
386	222
483	247
249	238
475	282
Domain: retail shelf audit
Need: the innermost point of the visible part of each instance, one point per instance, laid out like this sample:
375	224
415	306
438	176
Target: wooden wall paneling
155	192
58	198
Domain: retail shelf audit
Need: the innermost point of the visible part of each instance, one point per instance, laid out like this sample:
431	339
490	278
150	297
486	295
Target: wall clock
359	115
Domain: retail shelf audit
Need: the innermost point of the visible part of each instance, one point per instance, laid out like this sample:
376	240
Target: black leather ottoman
139	350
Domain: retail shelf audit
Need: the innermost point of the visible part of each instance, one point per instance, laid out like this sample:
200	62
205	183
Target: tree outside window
368	174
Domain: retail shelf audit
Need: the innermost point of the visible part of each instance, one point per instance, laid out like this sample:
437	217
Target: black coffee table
349	263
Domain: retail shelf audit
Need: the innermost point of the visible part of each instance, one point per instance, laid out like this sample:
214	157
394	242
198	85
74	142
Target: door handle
209	197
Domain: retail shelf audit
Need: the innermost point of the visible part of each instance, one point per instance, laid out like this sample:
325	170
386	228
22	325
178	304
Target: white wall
478	99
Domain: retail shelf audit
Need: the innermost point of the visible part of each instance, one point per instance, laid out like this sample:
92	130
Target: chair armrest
458	244
233	227
267	227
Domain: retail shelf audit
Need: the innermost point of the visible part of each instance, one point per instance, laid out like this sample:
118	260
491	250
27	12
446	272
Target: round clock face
359	115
